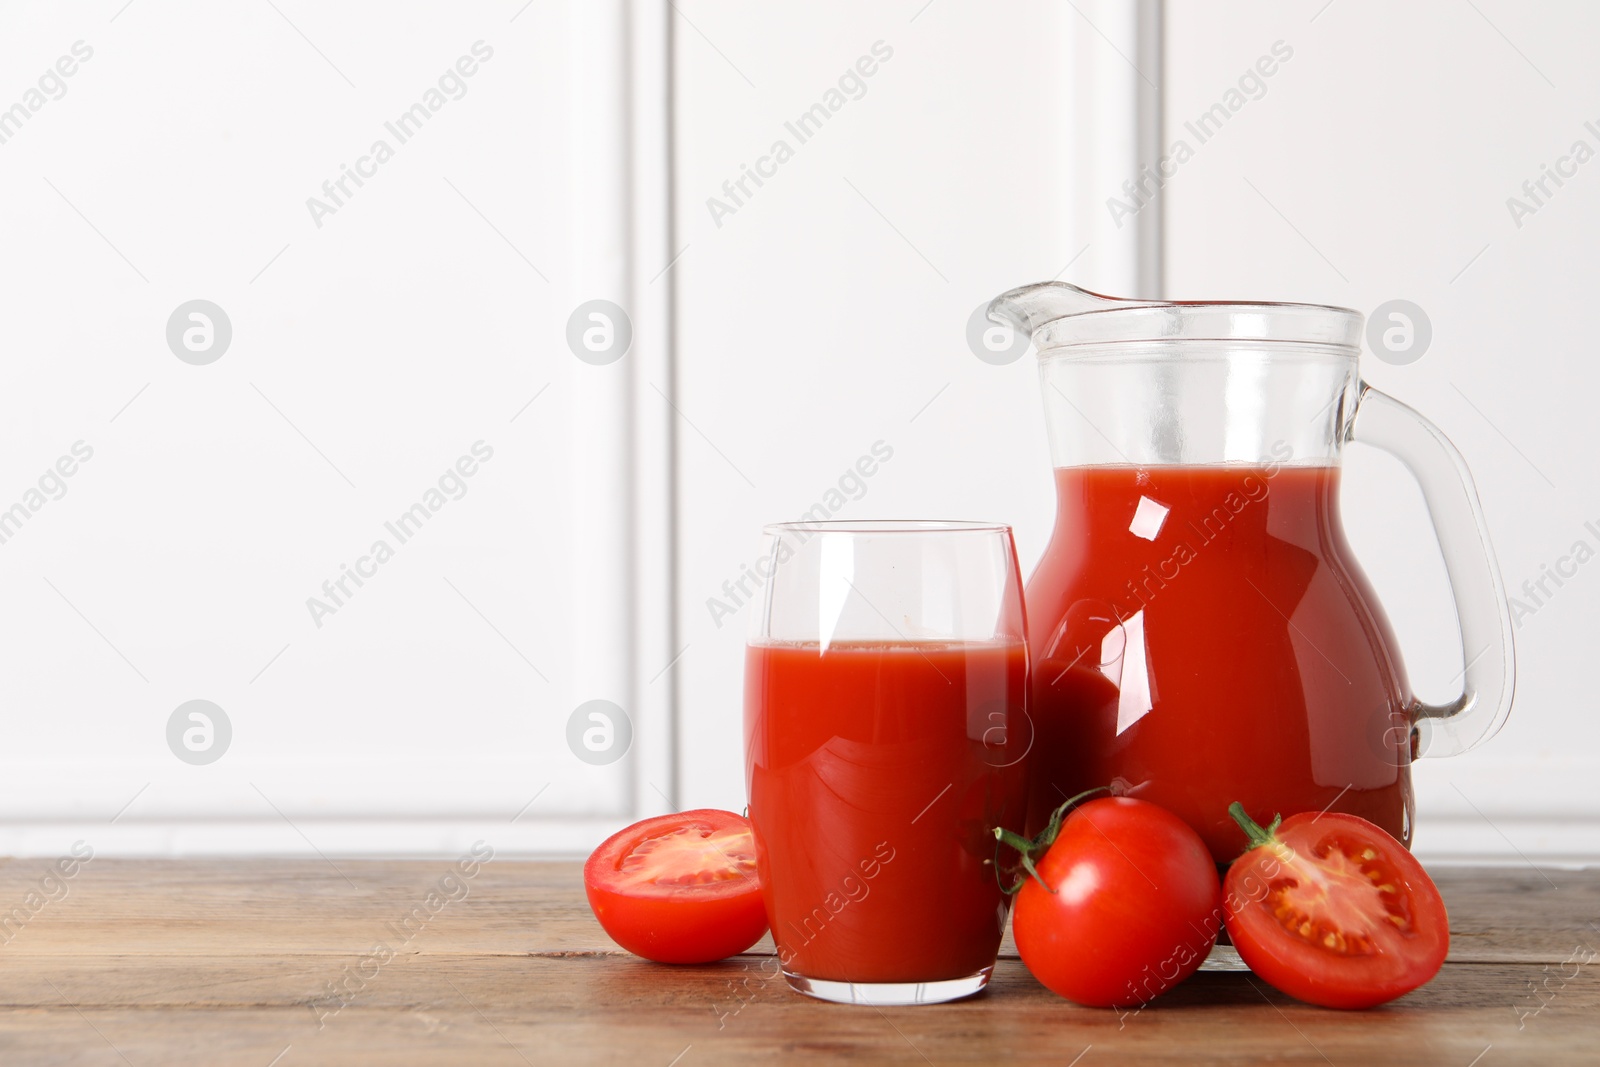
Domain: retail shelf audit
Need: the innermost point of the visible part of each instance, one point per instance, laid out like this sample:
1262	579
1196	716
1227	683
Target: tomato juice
1201	635
877	771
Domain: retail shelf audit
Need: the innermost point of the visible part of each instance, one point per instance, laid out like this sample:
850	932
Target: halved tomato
679	888
1330	909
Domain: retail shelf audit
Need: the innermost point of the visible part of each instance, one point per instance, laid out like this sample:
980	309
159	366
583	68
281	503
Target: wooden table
237	962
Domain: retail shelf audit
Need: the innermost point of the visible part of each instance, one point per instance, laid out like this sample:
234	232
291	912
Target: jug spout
1033	306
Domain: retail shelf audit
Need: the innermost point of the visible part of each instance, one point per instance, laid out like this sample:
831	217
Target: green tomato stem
1028	849
1253	830
1016	841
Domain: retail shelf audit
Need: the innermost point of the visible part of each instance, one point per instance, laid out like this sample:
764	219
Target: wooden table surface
243	961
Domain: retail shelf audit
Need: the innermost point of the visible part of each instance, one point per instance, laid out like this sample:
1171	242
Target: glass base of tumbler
890	994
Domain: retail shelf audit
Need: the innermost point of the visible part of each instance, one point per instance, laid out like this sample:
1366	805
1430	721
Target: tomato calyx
1028	848
1262	836
1259	835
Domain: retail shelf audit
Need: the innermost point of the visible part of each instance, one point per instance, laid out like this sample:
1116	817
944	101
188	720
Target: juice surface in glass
876	772
1202	635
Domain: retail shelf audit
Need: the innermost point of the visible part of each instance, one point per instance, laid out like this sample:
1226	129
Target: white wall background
368	354
826	313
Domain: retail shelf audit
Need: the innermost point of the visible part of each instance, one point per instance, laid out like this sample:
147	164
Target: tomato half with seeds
1332	910
679	888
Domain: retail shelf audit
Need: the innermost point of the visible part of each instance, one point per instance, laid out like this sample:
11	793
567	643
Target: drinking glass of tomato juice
886	727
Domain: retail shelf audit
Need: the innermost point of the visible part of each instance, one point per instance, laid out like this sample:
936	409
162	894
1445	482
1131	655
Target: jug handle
1489	676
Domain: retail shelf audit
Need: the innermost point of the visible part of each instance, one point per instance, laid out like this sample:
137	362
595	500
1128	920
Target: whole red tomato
1330	909
1124	905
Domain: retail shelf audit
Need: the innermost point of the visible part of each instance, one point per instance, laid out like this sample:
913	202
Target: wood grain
233	962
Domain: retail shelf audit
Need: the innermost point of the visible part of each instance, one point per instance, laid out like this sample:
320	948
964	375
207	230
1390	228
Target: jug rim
1087	318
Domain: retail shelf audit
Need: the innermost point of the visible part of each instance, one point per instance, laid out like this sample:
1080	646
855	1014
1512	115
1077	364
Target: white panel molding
600	581
655	252
334	839
1114	139
1447	839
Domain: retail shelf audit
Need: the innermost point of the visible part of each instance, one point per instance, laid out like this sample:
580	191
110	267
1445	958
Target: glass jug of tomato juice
1199	629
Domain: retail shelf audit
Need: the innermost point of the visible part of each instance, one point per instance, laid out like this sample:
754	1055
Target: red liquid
1240	655
876	772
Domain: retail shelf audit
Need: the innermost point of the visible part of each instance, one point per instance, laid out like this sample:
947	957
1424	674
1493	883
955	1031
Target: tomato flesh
1132	908
679	888
1336	912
